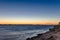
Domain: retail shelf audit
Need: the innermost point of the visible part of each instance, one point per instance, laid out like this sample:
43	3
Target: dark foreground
52	34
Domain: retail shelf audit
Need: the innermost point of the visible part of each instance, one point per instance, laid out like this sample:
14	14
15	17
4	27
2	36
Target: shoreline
52	34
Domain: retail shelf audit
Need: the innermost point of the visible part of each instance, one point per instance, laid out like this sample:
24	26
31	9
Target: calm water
21	32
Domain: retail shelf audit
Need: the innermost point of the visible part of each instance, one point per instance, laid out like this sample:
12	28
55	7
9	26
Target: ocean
21	32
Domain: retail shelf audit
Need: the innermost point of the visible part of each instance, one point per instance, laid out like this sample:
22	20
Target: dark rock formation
28	39
51	38
52	34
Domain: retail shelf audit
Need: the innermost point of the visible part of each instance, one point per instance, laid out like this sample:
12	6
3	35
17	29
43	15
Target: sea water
21	32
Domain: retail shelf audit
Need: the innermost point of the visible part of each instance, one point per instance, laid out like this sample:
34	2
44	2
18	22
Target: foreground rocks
53	34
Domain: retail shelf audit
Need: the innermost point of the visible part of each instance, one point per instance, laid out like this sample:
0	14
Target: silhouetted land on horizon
25	25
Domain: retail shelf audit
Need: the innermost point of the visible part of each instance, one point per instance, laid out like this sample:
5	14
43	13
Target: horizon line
34	23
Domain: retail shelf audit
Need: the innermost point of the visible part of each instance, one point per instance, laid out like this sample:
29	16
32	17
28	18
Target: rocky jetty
52	34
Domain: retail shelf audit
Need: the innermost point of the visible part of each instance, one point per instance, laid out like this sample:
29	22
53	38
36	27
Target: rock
51	38
39	34
28	39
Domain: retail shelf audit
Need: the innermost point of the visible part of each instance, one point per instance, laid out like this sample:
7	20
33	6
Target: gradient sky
29	11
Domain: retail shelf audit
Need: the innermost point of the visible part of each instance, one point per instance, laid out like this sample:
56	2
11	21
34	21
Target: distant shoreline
26	24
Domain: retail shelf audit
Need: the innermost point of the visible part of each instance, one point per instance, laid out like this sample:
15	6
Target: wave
18	35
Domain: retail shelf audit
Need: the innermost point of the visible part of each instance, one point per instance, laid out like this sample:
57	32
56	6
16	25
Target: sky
29	11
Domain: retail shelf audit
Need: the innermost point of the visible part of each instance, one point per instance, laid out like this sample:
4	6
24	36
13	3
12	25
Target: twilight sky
29	11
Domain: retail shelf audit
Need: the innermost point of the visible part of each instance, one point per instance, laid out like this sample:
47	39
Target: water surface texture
18	32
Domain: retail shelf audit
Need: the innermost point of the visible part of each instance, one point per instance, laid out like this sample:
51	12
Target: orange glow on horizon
29	23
